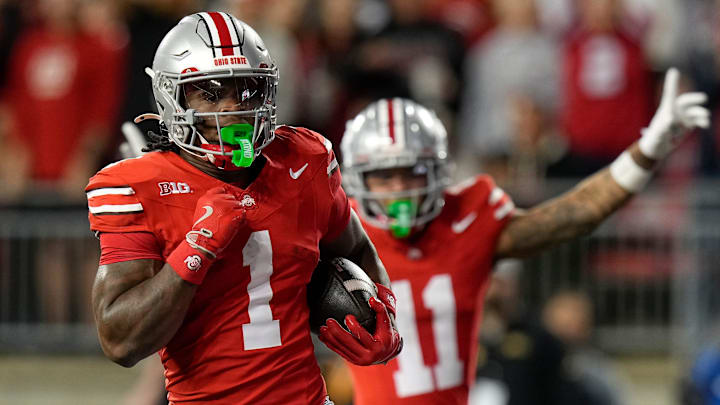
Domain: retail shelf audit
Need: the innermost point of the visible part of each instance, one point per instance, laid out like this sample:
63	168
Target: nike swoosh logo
208	212
463	224
297	174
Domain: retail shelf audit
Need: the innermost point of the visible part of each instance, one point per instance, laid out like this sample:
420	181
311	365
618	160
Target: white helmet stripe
233	32
391	122
383	120
398	121
214	36
222	32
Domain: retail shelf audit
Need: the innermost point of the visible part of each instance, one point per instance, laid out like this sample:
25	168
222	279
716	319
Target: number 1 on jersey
263	331
413	377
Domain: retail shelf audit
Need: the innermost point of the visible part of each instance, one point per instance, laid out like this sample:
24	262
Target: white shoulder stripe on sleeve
115	208
495	196
110	191
461	186
504	210
328	144
332	166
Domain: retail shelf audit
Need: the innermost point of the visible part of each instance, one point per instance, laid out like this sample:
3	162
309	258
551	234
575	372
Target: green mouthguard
402	212
240	134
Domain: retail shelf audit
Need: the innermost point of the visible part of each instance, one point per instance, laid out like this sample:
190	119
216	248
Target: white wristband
628	174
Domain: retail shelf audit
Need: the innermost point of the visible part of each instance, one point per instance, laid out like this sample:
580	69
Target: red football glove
386	296
360	347
216	219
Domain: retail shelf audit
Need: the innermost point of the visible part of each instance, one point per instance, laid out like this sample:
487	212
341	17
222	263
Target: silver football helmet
396	133
214	55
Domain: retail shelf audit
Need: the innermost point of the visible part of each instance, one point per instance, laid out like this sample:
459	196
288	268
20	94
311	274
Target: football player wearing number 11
208	242
439	243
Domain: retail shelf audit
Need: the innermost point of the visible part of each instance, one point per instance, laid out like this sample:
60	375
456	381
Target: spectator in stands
568	315
147	23
701	42
10	22
423	53
276	22
61	99
335	87
11	19
607	92
700	386
519	361
471	18
508	109
63	91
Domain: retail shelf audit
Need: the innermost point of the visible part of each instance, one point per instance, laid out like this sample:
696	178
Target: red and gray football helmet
215	53
396	133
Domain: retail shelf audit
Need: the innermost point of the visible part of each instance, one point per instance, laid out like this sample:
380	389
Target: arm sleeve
120	247
502	206
497	208
339	213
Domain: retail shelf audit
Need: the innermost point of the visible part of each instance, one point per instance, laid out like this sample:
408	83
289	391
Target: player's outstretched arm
138	306
583	208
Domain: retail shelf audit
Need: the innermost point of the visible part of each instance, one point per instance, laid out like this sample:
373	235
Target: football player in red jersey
207	243
439	243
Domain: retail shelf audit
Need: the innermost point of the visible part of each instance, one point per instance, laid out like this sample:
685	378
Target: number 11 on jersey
413	377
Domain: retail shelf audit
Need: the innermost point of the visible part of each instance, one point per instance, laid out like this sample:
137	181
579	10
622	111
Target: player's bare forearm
138	307
368	259
354	244
575	213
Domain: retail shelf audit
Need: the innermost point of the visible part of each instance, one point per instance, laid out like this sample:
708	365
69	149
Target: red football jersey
245	338
607	92
74	82
439	282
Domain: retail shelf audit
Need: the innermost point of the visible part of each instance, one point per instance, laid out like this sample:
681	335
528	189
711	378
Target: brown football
339	287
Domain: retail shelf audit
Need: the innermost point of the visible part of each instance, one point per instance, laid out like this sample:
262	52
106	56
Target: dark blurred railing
652	272
48	258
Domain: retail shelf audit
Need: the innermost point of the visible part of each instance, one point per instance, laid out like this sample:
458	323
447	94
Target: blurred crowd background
537	93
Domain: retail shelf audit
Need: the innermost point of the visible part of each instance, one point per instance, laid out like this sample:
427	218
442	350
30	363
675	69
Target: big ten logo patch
171	187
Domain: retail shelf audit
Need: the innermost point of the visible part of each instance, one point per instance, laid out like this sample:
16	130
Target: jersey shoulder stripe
501	203
332	166
115	203
113	200
114	190
481	194
116	209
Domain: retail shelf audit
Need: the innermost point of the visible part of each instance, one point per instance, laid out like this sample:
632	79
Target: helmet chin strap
208	157
222	162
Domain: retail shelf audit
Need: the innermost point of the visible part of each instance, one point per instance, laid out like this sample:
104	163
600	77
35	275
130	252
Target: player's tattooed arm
354	244
575	213
138	307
